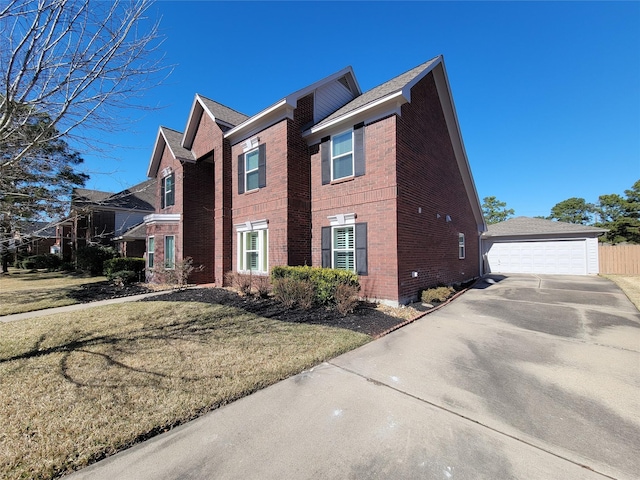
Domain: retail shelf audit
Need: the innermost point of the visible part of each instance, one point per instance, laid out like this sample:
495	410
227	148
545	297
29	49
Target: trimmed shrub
125	277
28	264
325	281
45	260
120	264
246	283
294	291
346	298
437	295
92	257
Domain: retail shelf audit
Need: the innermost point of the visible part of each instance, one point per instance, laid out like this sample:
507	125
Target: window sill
249	192
342	180
254	272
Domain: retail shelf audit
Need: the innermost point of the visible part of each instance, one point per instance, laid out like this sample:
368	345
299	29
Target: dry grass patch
630	285
75	388
23	291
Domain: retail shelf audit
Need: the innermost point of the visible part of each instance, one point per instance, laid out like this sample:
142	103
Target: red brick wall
299	185
429	181
206	136
270	202
198	218
160	230
372	197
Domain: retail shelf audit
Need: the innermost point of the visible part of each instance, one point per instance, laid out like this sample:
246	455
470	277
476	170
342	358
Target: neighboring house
97	218
375	182
534	245
35	238
133	242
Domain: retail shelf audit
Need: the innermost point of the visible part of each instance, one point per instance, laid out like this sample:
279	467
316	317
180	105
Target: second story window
342	155
167	194
252	169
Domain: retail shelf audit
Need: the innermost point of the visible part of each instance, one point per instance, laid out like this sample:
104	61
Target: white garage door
560	257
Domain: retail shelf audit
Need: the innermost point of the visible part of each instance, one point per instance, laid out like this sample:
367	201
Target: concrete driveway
528	378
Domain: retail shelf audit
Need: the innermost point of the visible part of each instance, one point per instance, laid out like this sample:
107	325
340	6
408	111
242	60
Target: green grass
630	285
24	291
77	387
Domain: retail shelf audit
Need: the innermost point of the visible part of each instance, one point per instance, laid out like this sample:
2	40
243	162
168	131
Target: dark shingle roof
223	112
138	197
174	139
138	232
38	229
537	226
392	86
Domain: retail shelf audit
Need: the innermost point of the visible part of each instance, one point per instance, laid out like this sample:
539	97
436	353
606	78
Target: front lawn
630	285
25	291
77	387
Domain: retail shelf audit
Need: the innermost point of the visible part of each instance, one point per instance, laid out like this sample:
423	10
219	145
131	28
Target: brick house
376	182
98	218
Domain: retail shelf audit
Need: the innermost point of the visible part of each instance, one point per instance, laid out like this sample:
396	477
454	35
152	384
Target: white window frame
243	230
173	189
151	253
352	249
173	253
247	171
461	246
351	152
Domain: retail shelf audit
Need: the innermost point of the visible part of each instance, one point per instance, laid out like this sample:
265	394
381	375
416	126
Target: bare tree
75	62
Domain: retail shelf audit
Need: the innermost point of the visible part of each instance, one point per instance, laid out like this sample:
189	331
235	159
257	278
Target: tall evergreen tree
40	185
495	211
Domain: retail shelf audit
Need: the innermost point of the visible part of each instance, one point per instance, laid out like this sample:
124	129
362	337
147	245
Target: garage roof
521	226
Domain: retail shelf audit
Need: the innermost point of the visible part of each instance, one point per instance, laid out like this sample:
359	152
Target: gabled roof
527	226
219	113
284	108
85	196
137	197
38	229
400	85
173	140
137	232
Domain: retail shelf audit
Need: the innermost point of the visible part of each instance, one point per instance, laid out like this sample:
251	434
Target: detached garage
534	245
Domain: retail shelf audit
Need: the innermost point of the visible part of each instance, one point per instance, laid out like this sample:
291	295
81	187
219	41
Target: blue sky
547	93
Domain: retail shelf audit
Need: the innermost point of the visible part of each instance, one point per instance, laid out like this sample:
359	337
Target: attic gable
173	140
330	93
224	116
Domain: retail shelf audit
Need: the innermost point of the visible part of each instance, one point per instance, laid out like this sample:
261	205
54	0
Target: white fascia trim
250	226
293	98
161	218
390	105
406	90
191	128
393	97
451	119
156	154
342	219
260	119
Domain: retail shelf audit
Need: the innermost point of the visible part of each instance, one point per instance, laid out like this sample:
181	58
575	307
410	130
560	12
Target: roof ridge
221	104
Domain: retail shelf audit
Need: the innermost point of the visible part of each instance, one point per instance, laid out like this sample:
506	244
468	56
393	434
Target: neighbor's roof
38	229
138	197
521	226
386	89
139	232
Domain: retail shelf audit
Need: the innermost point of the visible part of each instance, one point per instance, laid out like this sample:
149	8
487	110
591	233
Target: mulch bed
93	292
371	319
367	318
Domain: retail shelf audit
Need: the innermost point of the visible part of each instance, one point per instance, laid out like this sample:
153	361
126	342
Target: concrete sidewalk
78	306
531	378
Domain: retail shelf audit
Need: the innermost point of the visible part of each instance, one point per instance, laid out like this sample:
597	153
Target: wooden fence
620	259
